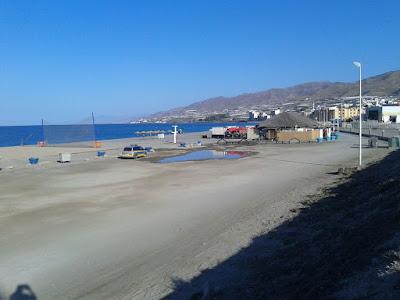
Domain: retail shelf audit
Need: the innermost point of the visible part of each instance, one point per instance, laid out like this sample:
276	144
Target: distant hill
387	84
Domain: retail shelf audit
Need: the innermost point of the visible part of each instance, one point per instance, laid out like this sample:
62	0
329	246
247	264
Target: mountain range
387	84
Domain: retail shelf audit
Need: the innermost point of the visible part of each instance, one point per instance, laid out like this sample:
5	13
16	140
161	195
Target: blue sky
61	60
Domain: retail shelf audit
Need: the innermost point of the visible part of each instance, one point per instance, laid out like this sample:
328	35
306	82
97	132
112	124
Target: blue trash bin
101	153
33	160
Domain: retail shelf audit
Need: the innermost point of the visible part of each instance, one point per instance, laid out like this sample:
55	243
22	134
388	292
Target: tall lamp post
358	65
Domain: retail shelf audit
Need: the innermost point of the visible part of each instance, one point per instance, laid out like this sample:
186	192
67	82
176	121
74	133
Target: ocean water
57	134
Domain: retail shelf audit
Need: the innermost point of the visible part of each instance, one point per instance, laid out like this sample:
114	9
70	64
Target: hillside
387	84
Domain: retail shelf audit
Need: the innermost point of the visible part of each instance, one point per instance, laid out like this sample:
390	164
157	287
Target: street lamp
358	65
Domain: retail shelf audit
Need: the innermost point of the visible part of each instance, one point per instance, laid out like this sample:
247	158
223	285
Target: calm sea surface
56	134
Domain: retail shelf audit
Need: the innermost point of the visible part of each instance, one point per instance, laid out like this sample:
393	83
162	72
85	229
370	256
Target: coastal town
380	109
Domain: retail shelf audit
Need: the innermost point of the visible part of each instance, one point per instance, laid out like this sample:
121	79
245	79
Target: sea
59	134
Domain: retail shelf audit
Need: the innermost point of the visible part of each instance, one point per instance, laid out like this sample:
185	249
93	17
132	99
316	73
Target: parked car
133	151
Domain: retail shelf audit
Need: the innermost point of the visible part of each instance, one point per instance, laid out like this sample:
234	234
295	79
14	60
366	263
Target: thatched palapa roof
288	120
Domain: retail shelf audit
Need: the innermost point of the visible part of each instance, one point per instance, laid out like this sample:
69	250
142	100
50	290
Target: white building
254	115
386	113
276	111
265	115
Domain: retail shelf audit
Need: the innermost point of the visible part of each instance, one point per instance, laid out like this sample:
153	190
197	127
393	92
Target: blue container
320	140
33	160
333	138
101	153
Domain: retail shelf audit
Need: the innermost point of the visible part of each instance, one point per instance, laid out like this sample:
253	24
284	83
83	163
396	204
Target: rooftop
289	120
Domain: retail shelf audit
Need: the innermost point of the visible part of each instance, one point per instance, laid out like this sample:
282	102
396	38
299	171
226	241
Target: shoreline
17	156
104	132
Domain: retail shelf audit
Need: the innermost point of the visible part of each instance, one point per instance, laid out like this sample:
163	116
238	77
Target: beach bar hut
289	126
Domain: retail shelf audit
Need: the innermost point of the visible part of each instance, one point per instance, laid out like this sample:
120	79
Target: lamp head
357	64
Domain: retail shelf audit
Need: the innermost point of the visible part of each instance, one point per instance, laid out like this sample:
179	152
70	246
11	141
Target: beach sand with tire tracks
129	229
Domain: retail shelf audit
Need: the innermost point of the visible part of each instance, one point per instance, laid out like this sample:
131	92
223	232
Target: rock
347	170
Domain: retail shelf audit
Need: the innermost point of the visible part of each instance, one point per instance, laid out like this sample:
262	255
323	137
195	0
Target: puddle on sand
204	155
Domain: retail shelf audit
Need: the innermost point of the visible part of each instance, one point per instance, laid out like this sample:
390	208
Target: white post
175	133
358	65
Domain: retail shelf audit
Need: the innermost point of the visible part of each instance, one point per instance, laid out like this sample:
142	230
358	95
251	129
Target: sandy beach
17	157
131	229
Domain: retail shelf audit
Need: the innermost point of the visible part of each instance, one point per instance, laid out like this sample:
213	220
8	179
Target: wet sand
128	229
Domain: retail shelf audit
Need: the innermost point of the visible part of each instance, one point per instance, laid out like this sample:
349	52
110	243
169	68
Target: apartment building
346	113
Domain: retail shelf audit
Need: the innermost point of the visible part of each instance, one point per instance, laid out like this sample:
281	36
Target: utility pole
358	65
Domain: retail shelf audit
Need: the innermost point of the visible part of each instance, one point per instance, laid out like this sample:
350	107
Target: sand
17	157
130	229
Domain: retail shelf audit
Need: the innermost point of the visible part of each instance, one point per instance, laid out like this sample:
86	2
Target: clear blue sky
60	60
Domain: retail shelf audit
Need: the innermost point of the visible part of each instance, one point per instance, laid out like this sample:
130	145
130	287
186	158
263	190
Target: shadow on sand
22	292
335	236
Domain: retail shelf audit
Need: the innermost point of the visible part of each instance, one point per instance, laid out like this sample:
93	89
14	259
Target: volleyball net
78	135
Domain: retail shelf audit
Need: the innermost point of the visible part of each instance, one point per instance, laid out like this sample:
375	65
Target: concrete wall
373	128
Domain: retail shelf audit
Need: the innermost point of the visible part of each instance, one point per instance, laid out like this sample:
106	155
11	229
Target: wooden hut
289	126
